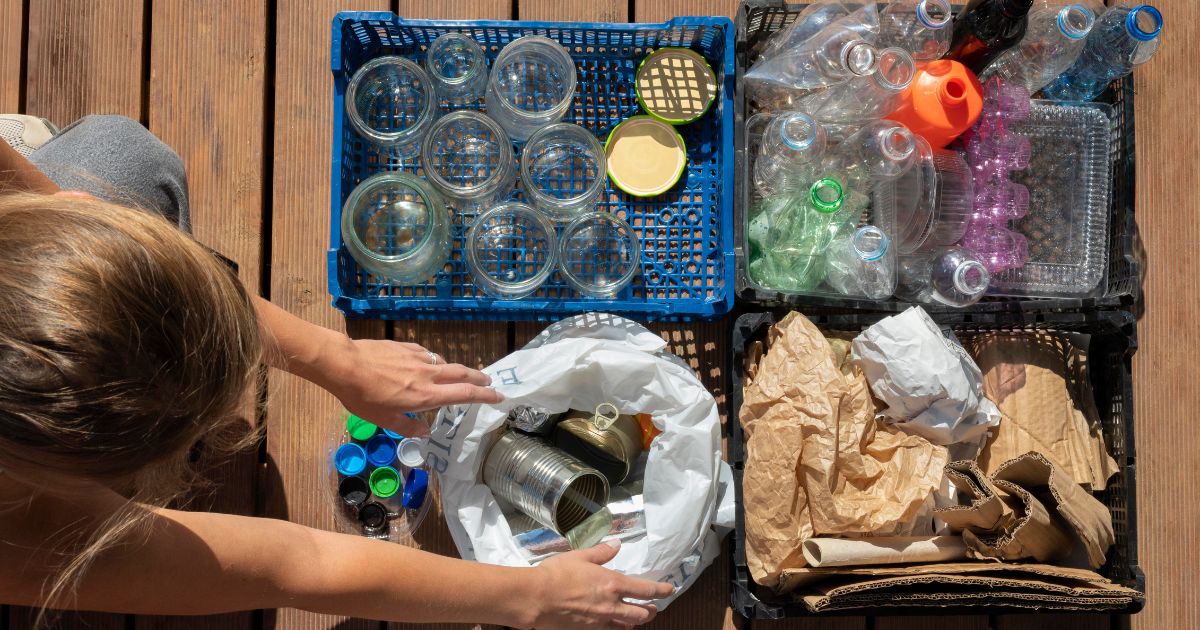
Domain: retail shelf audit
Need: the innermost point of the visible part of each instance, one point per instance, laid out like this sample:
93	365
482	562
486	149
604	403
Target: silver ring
433	357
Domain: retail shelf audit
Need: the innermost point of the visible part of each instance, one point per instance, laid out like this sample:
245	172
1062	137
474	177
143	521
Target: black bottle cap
373	516
353	491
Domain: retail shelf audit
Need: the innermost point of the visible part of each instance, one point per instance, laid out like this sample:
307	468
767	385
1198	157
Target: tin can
552	487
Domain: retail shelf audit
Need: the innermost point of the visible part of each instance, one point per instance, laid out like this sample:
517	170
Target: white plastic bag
578	363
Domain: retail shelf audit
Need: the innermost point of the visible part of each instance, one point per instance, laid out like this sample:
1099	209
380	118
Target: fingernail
615	543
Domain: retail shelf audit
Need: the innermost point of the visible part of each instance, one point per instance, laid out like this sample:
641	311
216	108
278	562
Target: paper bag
1040	383
817	461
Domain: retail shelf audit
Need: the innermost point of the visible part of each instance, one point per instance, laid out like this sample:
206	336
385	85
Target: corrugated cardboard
1040	383
817	460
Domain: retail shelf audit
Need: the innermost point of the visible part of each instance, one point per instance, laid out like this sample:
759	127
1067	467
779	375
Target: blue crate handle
343	271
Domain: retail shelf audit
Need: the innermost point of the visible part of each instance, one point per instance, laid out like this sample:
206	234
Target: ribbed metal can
550	486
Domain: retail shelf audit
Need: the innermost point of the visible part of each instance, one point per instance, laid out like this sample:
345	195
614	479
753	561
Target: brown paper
841	552
817	461
1040	383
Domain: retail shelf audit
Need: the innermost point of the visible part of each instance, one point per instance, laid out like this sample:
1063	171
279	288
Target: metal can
550	486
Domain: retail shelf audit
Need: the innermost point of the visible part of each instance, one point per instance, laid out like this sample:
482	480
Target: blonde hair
123	344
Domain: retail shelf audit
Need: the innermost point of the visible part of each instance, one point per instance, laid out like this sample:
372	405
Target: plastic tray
687	266
757	19
1113	342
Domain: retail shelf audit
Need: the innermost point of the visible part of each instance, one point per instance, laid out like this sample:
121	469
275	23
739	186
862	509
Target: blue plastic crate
687	266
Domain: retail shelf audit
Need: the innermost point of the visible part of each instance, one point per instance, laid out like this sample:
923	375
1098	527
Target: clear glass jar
390	102
511	250
600	254
468	157
532	85
563	170
458	69
396	226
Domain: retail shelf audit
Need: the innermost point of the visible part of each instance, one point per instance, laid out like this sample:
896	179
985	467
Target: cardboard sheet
818	463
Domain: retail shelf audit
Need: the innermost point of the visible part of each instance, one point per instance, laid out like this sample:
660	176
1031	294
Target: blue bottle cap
381	450
415	485
350	459
392	434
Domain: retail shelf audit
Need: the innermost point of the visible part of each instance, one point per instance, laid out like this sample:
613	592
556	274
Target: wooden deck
241	89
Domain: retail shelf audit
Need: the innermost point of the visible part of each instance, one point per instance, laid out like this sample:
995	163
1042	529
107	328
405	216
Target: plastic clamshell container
687	234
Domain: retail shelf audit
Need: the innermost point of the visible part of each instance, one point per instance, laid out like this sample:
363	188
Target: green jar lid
360	429
675	85
385	481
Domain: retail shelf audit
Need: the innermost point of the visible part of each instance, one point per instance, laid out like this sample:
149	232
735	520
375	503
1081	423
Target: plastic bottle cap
971	277
412	452
353	491
675	85
1075	21
934	14
798	130
870	243
859	58
645	156
360	429
381	450
1144	22
826	195
373	516
392	434
350	459
415	486
385	482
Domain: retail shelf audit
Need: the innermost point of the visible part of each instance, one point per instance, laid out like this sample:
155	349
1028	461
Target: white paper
930	385
576	364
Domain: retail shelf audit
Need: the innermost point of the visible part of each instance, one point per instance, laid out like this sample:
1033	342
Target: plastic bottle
860	264
1123	38
812	20
986	28
880	151
1053	42
791	142
942	102
954	276
836	53
789	235
865	98
922	27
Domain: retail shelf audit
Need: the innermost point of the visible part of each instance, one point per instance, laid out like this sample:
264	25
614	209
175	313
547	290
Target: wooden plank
474	10
968	622
207	80
660	10
85	57
12	17
1053	622
302	144
1164	392
573	10
20	618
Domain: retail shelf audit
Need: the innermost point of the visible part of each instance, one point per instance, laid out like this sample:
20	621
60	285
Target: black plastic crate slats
1113	341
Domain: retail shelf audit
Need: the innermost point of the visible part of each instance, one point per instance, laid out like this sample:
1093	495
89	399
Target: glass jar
511	250
468	157
458	69
600	254
563	170
532	85
397	227
391	103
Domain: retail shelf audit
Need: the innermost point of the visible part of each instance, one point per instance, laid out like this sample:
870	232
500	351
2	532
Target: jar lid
675	85
645	156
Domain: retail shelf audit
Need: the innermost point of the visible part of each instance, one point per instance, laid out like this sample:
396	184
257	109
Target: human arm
201	563
18	174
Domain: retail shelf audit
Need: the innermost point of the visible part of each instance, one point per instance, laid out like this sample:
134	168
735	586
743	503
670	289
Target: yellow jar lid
645	156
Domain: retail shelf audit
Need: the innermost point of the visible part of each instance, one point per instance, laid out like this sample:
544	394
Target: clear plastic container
864	98
1053	40
458	68
390	102
563	170
468	157
861	263
600	254
954	276
922	27
532	85
396	226
511	250
1069	187
932	202
792	144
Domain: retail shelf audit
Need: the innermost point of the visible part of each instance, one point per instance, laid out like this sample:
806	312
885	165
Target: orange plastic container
943	101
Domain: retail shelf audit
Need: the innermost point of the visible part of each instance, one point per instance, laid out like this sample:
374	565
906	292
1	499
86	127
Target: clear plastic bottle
922	27
953	276
880	151
865	98
791	143
1123	38
837	53
812	20
790	233
860	264
1053	41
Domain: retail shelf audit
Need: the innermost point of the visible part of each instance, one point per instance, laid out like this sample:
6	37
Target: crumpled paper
931	386
818	463
1040	383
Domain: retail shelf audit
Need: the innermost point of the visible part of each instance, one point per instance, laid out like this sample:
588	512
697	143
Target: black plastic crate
758	19
1113	342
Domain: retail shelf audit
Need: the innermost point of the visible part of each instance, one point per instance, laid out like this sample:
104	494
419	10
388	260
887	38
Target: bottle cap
360	429
350	459
381	450
411	452
645	156
392	434
675	85
353	491
373	517
385	482
416	483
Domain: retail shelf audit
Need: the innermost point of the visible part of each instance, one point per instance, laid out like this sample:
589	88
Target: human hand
579	593
381	380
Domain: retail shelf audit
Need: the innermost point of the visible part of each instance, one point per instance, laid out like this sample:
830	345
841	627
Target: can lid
416	484
675	85
412	452
350	459
360	429
644	156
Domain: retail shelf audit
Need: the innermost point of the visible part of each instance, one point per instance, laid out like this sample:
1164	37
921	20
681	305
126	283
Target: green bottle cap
360	429
385	481
826	195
